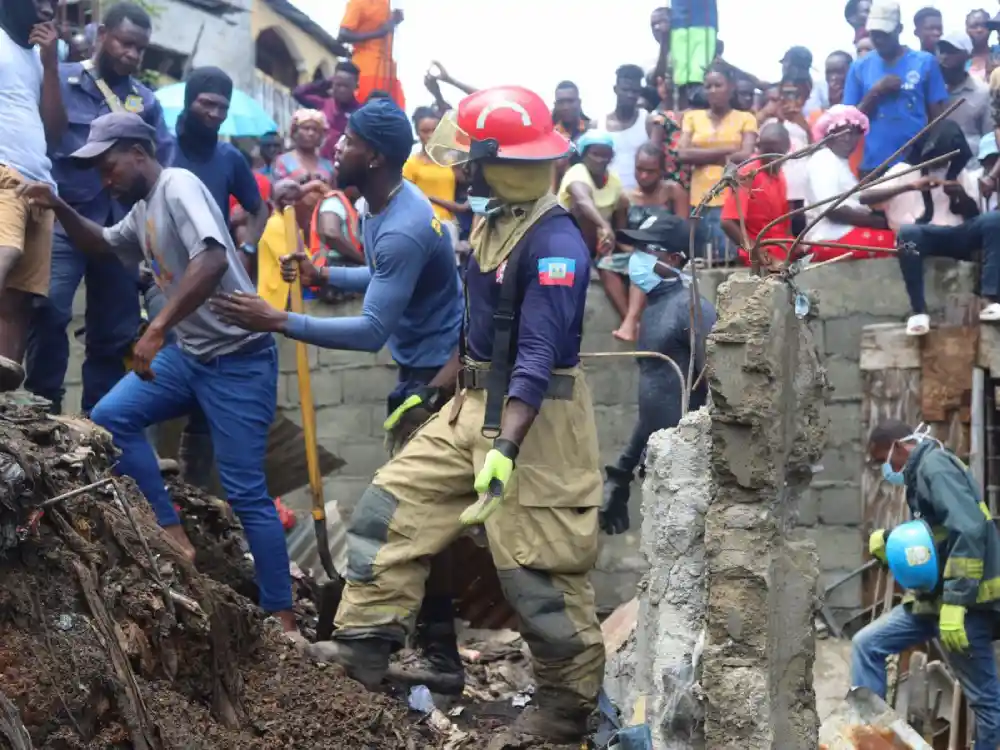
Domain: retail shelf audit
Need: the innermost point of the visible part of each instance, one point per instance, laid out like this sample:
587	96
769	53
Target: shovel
330	591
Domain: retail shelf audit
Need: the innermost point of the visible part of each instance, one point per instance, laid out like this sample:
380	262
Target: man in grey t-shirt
231	375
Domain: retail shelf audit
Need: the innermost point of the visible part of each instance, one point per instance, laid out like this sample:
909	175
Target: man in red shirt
761	201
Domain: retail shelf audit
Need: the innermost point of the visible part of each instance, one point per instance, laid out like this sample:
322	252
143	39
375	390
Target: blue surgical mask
642	271
481	206
892	476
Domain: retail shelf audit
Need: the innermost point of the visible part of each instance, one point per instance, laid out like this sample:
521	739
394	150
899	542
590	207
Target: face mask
898	478
480	206
893	477
642	271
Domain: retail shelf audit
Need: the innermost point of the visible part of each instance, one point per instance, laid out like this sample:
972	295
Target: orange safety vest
316	250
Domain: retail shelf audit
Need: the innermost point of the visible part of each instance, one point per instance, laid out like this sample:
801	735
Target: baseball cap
108	129
668	232
798	56
884	16
988	146
958	40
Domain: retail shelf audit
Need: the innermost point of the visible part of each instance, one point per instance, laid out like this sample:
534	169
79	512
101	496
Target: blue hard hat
912	556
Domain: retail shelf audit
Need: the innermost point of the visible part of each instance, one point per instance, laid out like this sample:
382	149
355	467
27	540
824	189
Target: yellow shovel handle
305	382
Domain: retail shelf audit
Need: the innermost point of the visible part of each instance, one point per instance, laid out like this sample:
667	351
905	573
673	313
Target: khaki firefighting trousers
543	538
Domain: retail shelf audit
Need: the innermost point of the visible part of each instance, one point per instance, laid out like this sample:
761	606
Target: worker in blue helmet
962	609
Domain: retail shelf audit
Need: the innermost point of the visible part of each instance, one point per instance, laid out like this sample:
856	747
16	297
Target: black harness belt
505	320
560	386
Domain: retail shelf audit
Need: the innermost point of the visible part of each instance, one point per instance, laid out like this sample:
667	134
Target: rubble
104	647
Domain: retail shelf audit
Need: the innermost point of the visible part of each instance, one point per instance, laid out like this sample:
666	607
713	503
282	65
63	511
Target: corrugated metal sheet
302	547
479	598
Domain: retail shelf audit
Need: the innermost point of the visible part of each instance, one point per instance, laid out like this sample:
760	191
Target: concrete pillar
670	634
768	432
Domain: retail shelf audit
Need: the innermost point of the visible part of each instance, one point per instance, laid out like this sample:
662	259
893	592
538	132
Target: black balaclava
193	136
17	17
943	138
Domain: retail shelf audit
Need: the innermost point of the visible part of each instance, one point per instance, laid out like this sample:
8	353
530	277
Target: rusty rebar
869	180
874	183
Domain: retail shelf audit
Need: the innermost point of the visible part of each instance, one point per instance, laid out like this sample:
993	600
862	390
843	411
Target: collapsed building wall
724	645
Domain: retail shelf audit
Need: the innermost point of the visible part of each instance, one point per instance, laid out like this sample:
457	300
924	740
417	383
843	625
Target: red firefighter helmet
503	122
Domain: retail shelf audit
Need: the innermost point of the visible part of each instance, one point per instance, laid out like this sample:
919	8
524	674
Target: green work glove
428	400
951	623
876	544
490	482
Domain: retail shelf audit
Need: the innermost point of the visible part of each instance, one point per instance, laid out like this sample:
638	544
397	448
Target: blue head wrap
385	127
594	138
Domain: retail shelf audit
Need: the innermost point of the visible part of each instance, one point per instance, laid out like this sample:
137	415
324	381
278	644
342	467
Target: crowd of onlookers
677	123
666	146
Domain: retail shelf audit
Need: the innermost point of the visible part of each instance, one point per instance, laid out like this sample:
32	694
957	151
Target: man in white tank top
627	124
29	91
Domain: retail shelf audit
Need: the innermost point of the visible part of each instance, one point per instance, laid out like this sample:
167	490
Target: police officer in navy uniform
89	89
523	400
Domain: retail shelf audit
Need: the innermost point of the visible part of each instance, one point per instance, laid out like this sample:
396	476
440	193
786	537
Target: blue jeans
957	243
112	320
711	242
976	669
237	393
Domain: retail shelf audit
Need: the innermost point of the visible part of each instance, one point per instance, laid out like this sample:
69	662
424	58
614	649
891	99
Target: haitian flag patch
556	271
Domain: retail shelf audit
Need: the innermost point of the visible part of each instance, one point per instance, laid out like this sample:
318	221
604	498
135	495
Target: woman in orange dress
368	26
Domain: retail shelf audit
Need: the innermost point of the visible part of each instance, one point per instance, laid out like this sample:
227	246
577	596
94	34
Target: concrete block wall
851	295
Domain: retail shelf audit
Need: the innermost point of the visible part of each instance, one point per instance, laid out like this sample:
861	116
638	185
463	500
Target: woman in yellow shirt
273	245
710	139
593	193
434	181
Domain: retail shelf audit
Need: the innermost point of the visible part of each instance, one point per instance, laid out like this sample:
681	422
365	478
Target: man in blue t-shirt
898	88
413	303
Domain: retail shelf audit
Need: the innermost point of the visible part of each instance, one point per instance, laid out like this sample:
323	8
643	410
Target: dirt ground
109	640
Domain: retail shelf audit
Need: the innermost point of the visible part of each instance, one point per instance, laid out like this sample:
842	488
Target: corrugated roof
287	10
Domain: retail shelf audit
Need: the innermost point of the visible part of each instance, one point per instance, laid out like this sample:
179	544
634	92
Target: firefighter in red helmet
515	449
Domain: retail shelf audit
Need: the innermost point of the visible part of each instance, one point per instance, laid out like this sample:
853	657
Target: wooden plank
949	354
620	625
886	346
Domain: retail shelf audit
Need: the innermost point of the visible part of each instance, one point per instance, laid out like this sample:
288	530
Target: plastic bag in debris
420	699
610	733
13	480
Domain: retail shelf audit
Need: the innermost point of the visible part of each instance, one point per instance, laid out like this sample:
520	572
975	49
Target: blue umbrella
247	119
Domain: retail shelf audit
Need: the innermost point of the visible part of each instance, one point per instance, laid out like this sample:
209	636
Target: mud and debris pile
109	639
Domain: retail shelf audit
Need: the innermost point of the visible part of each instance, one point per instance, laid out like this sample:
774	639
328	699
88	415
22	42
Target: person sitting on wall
939	216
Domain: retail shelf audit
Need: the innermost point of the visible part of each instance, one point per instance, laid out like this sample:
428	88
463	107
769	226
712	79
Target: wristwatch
248	248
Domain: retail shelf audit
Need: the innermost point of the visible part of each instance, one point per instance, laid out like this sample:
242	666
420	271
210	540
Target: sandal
990	313
919	325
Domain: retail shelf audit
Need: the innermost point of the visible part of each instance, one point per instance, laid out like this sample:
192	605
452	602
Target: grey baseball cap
108	129
957	40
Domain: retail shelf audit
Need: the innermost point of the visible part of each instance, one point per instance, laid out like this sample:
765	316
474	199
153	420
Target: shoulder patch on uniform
436	226
556	271
133	104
